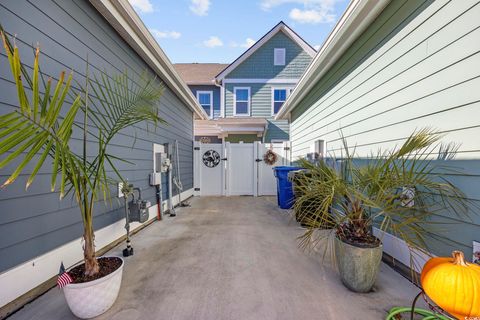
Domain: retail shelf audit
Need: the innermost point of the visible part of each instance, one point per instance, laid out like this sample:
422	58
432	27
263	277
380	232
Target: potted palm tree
42	127
396	191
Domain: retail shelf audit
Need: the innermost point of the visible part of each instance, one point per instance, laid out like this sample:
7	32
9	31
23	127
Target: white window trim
284	51
211	100
286	88
235	101
266	81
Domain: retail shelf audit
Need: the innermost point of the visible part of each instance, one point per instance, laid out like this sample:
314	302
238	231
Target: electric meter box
155	178
160	159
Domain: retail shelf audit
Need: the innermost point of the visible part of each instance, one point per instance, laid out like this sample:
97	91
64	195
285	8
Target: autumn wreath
270	157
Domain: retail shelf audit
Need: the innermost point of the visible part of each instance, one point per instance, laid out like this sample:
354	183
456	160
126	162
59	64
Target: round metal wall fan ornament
211	158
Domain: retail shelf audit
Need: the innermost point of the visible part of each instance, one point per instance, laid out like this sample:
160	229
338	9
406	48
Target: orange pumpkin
453	284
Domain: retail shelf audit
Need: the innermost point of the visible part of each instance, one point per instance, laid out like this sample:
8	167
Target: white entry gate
233	169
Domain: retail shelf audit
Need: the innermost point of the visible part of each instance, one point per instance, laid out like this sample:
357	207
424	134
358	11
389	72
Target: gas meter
135	210
138	208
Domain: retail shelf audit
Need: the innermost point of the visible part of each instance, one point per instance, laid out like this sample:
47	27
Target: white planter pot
90	299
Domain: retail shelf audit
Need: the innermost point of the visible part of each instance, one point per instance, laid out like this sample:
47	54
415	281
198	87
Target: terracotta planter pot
90	299
358	266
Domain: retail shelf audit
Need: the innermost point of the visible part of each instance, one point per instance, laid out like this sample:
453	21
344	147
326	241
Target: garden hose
395	312
427	315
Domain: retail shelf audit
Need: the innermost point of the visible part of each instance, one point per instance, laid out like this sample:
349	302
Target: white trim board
287	88
222	101
279	60
398	249
280	27
267	81
249	101
210	92
28	275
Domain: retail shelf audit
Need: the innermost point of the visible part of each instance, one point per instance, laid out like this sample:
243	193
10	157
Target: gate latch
224	159
258	160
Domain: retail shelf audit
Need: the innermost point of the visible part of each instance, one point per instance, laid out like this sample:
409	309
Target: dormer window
279	56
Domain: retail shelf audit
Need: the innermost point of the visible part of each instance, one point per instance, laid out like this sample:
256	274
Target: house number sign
211	158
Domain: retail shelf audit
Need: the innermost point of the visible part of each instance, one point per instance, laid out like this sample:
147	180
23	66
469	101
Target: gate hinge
196	148
286	148
258	160
196	189
224	159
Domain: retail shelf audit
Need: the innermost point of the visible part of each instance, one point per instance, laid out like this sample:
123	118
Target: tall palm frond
37	127
43	125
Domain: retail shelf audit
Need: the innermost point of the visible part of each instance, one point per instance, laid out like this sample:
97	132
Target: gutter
356	18
121	16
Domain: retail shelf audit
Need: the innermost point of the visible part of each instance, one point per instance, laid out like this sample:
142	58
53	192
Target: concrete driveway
231	258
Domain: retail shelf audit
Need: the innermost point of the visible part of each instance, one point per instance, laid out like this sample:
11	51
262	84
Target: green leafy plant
397	191
43	125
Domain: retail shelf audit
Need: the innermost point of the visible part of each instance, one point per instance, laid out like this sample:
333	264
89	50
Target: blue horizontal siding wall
34	222
216	97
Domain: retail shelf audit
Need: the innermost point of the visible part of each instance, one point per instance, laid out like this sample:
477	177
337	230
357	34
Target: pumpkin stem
459	258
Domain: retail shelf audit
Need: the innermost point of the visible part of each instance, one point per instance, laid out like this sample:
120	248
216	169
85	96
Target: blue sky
220	30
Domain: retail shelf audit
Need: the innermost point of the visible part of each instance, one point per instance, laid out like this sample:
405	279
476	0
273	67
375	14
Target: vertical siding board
415	66
34	222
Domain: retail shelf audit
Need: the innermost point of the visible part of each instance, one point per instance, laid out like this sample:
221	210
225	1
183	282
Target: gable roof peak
279	27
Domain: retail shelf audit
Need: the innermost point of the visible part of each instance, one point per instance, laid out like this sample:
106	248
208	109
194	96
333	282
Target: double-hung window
242	101
205	98
279	96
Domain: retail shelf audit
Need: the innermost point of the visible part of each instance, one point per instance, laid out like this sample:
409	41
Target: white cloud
213	42
311	11
317	47
247	44
165	34
311	15
144	6
200	7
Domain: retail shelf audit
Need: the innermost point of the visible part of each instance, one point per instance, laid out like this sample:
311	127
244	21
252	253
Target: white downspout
222	98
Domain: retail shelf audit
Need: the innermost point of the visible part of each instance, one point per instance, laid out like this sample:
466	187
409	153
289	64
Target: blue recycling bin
285	195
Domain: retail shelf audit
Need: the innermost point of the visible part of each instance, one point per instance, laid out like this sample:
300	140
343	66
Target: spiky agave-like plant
43	124
356	197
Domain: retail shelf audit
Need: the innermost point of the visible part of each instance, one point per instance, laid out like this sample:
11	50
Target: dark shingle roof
199	73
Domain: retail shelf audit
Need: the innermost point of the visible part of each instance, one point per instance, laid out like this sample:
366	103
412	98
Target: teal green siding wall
261	107
277	130
417	65
260	64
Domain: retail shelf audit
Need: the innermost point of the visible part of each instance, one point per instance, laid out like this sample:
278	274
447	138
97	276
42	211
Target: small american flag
63	277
